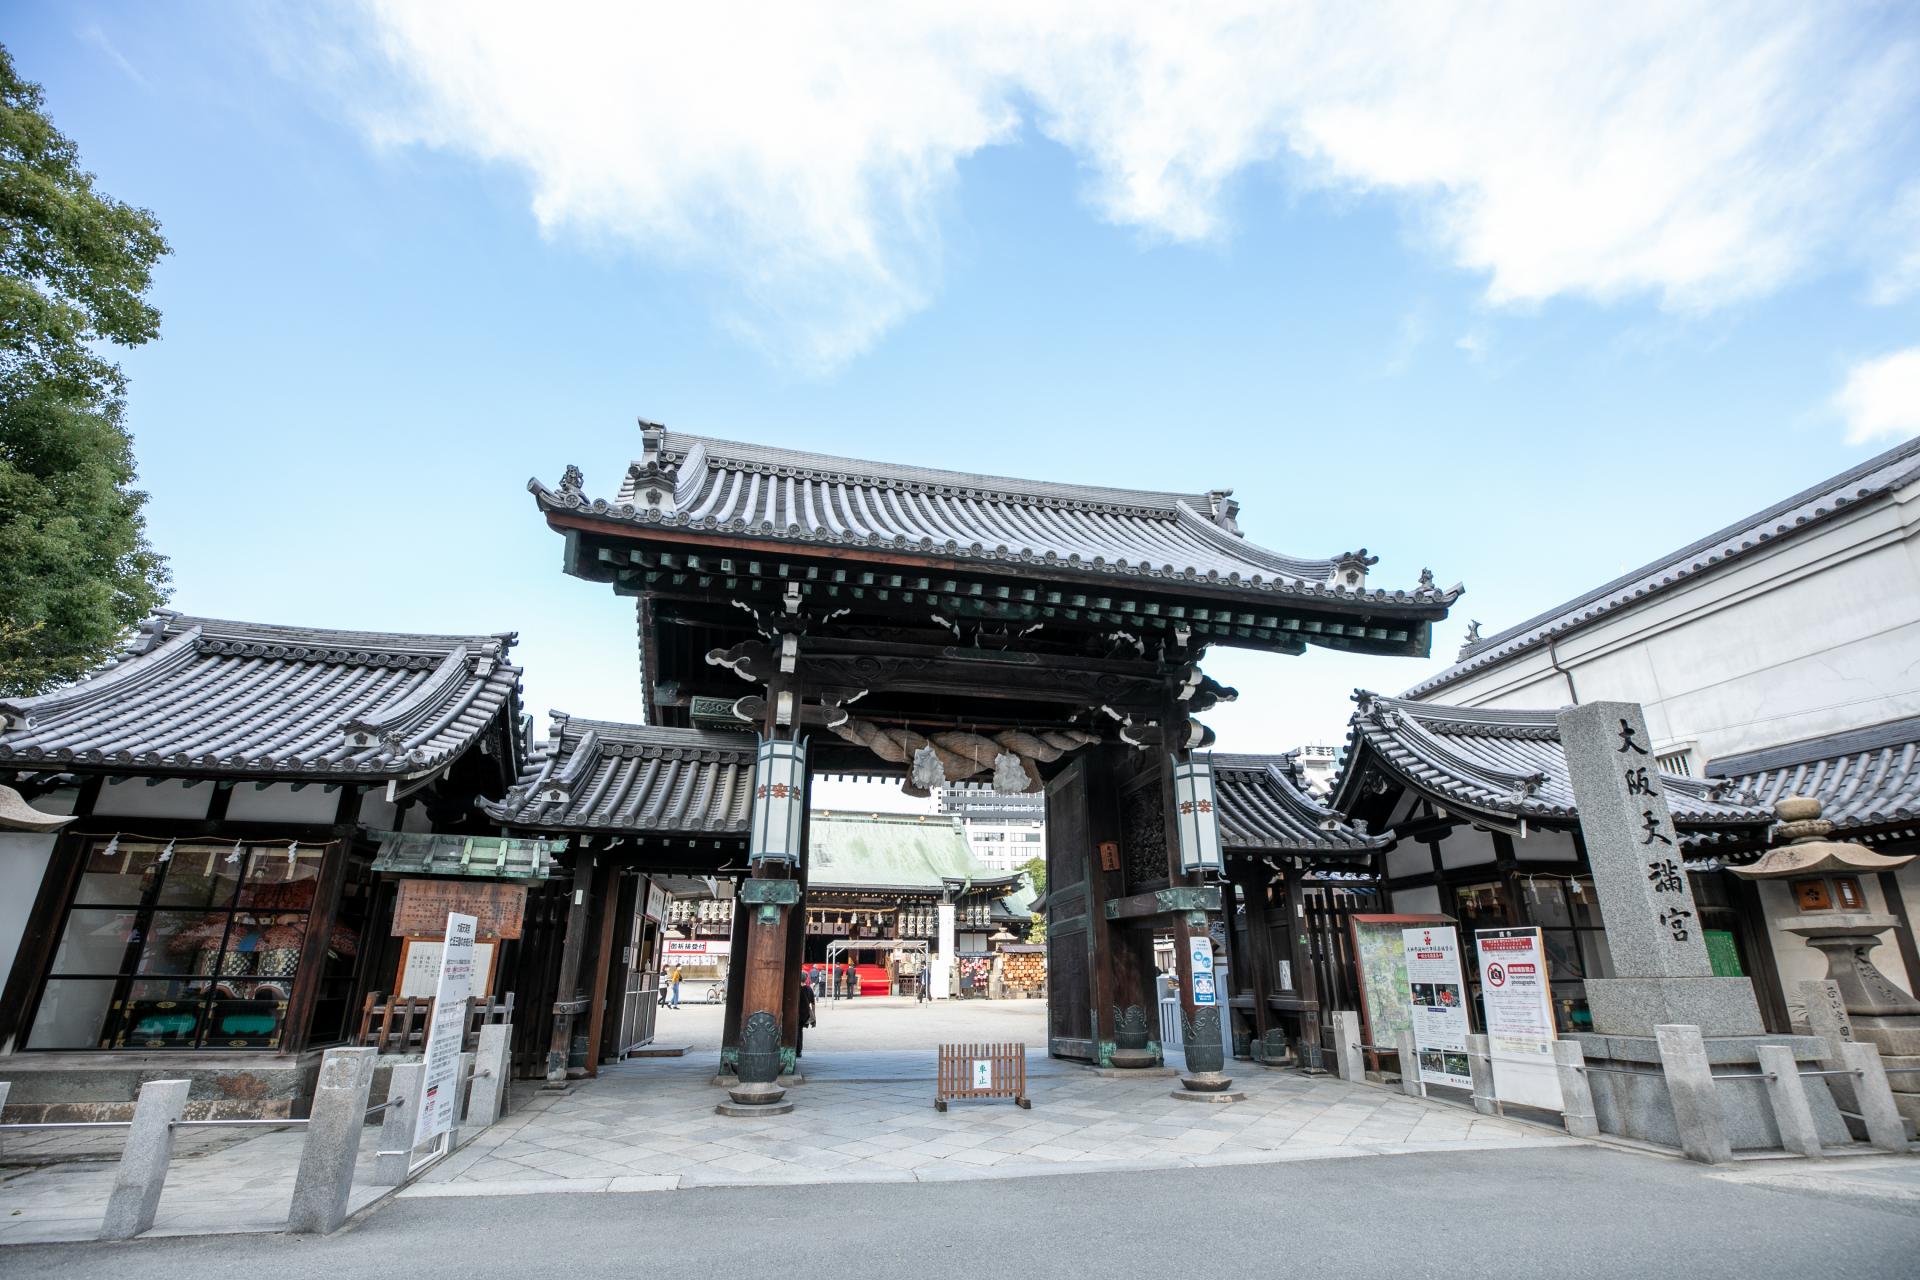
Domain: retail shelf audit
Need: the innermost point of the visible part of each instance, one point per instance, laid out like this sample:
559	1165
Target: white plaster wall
1422	901
1817	635
1408	858
375	812
1546	846
133	798
279	802
1466	847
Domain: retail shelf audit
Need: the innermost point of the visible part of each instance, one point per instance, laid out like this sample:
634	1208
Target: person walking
806	1005
921	994
673	988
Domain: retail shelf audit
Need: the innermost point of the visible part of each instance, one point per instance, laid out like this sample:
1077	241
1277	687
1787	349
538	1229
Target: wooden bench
981	1071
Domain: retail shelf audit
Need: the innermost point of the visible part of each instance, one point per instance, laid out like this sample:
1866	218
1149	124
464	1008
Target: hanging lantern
779	800
1194	810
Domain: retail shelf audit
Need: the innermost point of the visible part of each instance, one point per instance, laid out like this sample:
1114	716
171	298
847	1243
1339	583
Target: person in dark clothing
806	1005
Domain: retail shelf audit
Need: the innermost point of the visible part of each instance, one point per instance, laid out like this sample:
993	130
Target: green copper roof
483	857
895	851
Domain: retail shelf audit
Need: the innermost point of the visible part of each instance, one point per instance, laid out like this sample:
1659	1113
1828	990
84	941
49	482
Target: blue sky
1526	298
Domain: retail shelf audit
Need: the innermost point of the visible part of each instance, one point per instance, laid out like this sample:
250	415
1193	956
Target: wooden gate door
1070	925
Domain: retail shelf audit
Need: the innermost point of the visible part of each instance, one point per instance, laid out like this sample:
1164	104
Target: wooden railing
399	1025
981	1071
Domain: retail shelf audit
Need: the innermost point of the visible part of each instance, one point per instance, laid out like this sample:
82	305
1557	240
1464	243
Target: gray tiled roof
1502	762
1263	808
783	495
603	776
1863	777
207	696
1871	479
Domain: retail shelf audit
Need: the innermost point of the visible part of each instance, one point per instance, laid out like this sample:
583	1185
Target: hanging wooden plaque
421	907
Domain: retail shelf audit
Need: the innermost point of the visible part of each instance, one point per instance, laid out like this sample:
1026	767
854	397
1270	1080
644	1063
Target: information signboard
1200	951
1438	995
1518	1002
440	1080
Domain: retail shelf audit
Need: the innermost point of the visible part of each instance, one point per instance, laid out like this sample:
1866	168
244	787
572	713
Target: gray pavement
1573	1212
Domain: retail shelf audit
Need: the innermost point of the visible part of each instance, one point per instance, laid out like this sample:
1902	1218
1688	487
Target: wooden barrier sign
981	1071
420	907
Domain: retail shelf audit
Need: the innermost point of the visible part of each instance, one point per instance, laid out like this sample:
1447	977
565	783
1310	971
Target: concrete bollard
1576	1091
487	1103
1885	1129
1480	1064
5	1088
1690	1088
395	1154
462	1092
1346	1035
325	1181
1410	1067
143	1164
1788	1094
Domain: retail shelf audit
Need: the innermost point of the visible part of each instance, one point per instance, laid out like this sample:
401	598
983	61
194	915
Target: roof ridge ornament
653	481
1223	510
1350	569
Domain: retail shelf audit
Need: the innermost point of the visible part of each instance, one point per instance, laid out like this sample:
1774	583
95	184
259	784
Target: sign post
440	1076
1439	997
1200	950
1518	1002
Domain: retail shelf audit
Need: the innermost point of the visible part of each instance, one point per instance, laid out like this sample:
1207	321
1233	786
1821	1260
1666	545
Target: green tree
1036	872
75	266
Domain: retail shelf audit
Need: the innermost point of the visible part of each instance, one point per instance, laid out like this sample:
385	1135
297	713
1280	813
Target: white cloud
1697	153
1881	397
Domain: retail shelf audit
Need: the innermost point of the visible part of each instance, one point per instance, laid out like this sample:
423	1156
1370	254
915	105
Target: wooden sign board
419	973
1109	855
421	907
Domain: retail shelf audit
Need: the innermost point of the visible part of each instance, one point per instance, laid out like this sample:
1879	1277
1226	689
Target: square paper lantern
779	800
1196	814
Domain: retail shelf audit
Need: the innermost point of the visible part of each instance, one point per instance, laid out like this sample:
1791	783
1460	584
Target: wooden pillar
736	984
796	923
1259	948
1116	978
606	895
311	967
566	988
1305	981
622	958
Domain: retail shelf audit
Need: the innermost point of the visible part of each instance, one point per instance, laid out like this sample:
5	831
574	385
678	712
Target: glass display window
182	944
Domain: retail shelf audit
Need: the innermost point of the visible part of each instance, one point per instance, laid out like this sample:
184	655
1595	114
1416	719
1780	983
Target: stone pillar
1480	1064
1576	1091
325	1180
1351	1060
1785	1090
1663	976
487	1101
1885	1129
1409	1055
1696	1105
142	1174
394	1157
5	1088
1827	1018
463	1090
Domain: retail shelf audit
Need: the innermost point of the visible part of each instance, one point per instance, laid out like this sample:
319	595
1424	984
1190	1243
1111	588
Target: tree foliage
1036	872
75	268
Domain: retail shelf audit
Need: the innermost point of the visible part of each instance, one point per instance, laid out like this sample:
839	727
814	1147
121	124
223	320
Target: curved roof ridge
1869	479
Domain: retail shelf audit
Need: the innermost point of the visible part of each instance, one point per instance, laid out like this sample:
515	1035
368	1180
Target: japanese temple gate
866	618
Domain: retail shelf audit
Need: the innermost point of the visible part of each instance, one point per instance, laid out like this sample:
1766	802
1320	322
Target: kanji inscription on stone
1638	872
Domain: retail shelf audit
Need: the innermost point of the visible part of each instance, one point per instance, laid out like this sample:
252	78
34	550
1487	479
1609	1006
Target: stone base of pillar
752	1109
1206	1082
1131	1073
1133	1059
1639	1106
1219	1096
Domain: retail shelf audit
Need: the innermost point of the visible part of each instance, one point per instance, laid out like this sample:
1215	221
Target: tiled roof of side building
1507	763
1863	778
783	495
208	696
1890	471
1263	808
604	776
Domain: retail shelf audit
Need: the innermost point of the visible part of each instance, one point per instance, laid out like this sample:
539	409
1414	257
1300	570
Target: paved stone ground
865	1114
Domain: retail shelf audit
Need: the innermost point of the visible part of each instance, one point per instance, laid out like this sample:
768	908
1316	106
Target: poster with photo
1437	989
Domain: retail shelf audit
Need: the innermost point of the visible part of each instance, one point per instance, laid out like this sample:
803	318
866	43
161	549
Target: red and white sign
1518	1003
1439	1004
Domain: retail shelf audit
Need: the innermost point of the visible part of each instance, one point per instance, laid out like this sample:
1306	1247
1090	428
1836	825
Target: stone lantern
1825	878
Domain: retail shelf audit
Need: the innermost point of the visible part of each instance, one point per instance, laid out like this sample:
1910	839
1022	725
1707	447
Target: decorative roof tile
604	776
1892	470
209	696
783	495
1862	777
1265	808
1504	763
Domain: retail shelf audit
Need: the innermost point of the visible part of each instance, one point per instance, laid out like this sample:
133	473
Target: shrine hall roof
1265	808
787	496
1874	478
602	776
1501	762
1863	778
207	696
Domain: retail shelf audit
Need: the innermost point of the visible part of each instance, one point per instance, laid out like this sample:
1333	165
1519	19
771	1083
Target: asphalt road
1562	1212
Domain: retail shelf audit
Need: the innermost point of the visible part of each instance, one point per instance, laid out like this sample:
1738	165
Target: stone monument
1825	878
1661	973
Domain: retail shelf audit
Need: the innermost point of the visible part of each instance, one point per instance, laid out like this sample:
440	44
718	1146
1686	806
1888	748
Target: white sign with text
1518	1003
440	1081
